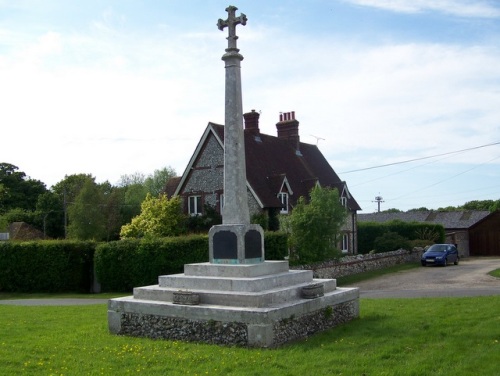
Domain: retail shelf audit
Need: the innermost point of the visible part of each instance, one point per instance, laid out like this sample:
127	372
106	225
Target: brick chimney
288	128
252	121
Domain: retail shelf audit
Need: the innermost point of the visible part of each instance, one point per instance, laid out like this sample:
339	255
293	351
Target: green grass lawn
69	295
495	273
431	336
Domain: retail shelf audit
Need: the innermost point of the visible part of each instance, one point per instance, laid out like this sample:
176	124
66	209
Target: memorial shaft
235	210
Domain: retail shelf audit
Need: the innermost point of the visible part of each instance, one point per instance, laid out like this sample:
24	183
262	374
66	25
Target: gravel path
469	278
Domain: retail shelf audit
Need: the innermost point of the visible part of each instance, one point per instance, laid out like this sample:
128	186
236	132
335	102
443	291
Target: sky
401	96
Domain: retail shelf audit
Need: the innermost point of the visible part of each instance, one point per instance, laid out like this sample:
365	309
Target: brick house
279	170
475	232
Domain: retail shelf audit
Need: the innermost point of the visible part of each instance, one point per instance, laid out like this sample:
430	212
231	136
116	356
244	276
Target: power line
444	180
421	158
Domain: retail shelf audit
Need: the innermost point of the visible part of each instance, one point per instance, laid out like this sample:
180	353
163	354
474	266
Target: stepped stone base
260	305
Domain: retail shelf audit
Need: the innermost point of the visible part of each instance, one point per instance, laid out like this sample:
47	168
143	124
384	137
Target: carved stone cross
231	23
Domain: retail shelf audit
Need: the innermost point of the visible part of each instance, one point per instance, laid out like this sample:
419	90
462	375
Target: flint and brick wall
350	265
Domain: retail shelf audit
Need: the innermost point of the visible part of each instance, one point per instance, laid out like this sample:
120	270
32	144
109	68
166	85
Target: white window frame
194	205
343	201
284	199
345	243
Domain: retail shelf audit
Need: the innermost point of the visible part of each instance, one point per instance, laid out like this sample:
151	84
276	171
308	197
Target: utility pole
378	200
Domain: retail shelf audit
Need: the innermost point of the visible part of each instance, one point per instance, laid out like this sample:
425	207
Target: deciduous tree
315	225
159	217
87	219
17	191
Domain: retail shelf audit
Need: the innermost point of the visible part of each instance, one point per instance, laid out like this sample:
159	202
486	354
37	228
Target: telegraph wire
443	180
421	158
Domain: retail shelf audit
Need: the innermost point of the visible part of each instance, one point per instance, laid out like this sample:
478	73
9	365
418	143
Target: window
283	197
194	205
345	243
343	201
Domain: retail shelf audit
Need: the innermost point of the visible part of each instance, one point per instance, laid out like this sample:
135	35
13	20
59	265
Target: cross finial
231	23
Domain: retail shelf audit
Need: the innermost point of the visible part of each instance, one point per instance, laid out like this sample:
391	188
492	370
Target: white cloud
109	100
403	99
461	8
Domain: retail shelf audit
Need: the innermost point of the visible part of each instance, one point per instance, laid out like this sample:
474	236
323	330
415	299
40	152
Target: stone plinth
259	305
236	244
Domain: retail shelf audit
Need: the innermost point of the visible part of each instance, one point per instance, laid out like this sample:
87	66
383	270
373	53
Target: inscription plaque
225	245
253	244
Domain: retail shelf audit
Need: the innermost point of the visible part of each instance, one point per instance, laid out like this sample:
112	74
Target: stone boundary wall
350	265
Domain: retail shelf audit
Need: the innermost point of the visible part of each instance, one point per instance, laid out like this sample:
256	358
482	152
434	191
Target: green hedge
68	266
276	245
125	264
46	266
369	231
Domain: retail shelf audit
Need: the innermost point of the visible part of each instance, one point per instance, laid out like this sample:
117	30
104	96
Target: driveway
468	278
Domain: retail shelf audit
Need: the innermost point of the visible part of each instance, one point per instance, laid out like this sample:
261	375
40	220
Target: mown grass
445	336
19	295
495	273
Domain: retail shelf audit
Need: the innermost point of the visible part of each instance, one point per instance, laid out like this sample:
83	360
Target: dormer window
283	197
343	201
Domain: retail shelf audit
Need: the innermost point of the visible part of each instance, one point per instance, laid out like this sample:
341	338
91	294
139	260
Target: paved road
469	278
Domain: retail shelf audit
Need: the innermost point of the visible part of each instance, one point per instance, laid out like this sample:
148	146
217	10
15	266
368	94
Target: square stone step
206	269
261	283
265	298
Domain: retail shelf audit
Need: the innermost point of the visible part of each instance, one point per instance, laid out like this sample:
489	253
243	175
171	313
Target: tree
315	226
50	210
155	183
423	208
478	205
159	217
68	188
391	210
132	179
16	190
86	216
495	206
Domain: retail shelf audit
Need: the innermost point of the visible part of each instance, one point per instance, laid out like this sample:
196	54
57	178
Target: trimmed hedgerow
368	232
46	266
125	264
68	266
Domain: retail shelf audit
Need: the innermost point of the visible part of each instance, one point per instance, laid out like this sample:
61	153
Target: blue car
440	254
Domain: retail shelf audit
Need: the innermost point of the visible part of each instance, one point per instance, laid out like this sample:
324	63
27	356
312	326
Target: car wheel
445	263
423	263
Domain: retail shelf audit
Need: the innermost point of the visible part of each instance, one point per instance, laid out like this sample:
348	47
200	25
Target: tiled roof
171	185
450	220
24	231
269	159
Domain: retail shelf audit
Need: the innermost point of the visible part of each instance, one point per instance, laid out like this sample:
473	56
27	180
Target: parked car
440	254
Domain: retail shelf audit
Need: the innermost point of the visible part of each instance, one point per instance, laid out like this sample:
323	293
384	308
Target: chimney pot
252	121
288	128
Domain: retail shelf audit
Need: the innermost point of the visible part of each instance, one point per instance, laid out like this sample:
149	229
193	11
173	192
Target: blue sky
115	87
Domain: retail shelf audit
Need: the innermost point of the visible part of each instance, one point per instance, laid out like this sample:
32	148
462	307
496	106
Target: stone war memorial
237	298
